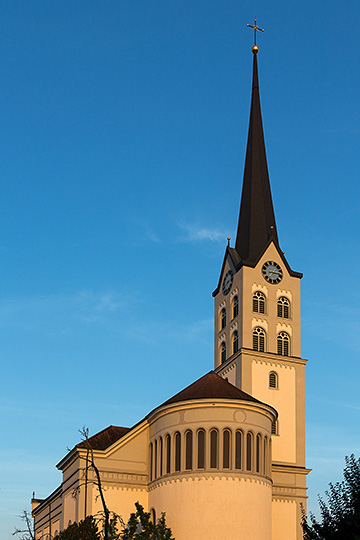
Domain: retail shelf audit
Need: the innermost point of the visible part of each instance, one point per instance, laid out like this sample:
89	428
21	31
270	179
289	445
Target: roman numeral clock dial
228	279
272	272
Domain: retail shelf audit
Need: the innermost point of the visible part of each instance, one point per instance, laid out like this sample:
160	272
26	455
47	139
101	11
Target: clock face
226	286
272	272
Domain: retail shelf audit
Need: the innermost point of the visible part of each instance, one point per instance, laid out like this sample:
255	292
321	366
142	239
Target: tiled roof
211	385
105	438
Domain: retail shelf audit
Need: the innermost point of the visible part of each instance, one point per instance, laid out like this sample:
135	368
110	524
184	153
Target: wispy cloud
149	331
194	233
60	312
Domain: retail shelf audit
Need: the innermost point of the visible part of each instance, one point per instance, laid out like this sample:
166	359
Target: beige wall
283	400
285	520
213	508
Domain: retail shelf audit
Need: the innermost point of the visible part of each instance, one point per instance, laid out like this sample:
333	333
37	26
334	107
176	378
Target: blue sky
123	127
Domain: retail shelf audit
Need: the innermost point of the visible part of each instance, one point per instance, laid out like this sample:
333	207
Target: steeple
257	219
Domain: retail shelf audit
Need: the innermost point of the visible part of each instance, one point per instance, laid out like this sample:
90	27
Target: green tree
86	529
140	527
340	515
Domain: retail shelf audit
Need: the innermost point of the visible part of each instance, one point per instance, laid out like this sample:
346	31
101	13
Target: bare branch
28	532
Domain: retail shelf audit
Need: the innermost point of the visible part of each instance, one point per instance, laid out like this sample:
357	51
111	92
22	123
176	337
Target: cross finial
256	29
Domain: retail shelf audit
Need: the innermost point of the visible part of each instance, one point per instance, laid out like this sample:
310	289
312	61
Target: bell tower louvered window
222	319
283	307
235	341
259	339
258	302
283	344
273	380
235	306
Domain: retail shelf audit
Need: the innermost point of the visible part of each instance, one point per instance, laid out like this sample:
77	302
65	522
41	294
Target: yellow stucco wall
283	400
215	508
285	520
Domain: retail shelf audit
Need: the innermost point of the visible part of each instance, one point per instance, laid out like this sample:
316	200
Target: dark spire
256	220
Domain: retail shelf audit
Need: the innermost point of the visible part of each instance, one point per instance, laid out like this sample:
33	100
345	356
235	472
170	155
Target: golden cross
256	29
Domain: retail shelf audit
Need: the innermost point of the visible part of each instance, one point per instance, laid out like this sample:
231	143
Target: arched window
238	450
235	341
213	449
259	339
188	450
275	428
226	449
249	447
201	449
155	459
222	319
235	306
265	469
258	452
223	352
283	307
153	516
161	456
151	462
273	379
168	454
283	344
177	451
258	302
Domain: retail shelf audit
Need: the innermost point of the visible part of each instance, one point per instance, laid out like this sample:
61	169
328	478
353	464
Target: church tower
257	328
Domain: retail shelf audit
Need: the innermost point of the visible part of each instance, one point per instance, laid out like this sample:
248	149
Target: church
224	457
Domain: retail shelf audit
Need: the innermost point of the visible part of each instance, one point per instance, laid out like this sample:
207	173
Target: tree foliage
86	529
141	527
340	515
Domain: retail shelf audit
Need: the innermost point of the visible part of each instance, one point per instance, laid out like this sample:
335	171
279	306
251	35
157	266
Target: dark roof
105	438
257	219
210	386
